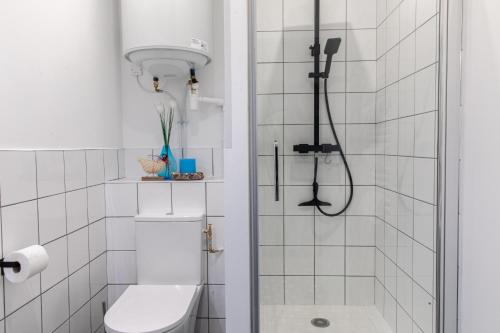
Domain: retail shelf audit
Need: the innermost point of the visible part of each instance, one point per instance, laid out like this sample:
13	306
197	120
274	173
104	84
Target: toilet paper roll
33	260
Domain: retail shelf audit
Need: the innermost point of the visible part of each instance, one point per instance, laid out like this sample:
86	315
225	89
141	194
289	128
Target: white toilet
169	274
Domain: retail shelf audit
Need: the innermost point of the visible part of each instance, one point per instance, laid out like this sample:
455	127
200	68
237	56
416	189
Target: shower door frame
449	99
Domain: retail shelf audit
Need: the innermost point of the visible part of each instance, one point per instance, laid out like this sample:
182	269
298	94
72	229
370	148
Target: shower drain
320	322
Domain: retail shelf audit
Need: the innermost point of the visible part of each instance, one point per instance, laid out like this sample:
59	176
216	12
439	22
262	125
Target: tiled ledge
132	181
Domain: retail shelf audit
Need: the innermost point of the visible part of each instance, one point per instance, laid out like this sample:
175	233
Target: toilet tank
169	249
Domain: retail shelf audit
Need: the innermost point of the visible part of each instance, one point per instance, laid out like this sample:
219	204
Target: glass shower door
373	267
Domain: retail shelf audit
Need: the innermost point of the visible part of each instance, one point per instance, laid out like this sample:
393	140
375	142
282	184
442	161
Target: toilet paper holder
9	264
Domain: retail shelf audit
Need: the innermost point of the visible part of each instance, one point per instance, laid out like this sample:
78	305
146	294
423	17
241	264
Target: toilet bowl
169	274
154	309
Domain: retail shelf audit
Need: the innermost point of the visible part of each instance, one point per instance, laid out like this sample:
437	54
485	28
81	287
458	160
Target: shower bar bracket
325	148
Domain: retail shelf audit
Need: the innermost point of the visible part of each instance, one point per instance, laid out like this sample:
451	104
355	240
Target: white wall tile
379	296
329	260
120	233
405	215
392	28
425	10
27	319
121	200
407	56
360	107
266	135
423	267
216	269
52	217
405	175
299	290
405	253
215	196
425	90
426	44
362	44
361	76
361	14
64	328
299	260
19	226
390	311
329	290
96	203
189	198
218	231
80	322
97	238
269	46
155	198
271	260
360	291
299	230
111	166
96	309
269	15
407	17
95	167
216	301
269	109
406	136
55	307
360	231
424	169
405	291
267	203
75	169
122	267
329	231
407	96
77	209
425	223
272	290
98	275
78	249
50	172
269	78
422	309
58	265
404	322
425	135
271	230
391	275
17	177
360	261
363	202
18	294
79	289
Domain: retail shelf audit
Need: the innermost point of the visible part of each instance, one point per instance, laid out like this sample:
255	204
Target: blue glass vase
171	165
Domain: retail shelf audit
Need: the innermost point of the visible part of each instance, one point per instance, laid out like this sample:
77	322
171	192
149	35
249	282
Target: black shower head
331	48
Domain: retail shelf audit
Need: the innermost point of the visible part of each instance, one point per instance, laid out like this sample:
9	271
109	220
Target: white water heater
167	38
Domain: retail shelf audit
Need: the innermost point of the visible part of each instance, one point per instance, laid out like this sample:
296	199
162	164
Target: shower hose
349	175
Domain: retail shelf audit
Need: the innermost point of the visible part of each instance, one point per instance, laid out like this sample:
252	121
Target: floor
343	319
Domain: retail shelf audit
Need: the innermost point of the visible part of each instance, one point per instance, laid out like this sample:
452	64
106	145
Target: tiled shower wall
306	258
125	199
56	199
407	74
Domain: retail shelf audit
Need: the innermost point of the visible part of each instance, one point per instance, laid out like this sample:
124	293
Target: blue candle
188	165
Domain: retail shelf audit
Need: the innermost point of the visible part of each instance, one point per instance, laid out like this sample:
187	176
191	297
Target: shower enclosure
373	268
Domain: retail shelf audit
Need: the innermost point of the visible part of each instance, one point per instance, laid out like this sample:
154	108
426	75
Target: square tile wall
406	162
307	258
127	198
56	199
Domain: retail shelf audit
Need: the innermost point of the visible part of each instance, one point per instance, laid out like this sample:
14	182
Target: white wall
141	127
480	227
59	82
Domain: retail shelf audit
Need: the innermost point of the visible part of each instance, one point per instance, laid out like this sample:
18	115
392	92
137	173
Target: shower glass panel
372	269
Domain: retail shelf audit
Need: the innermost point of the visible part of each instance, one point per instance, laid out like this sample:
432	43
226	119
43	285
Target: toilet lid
149	309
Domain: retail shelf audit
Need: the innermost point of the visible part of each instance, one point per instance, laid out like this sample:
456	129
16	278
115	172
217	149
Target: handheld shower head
331	48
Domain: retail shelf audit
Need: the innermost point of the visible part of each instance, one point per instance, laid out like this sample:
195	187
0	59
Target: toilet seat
150	309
